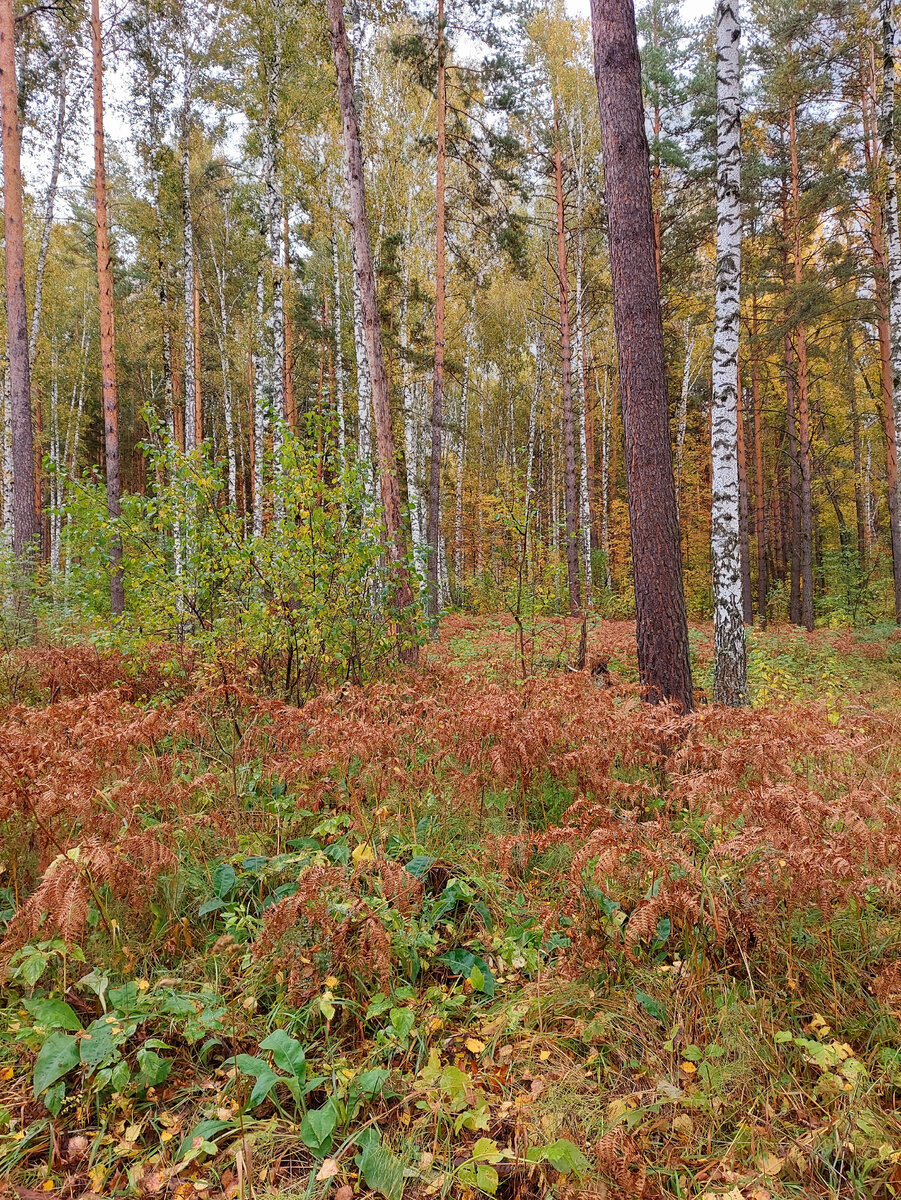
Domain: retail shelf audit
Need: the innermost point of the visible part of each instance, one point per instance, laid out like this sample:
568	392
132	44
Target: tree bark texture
107	317
26	527
662	628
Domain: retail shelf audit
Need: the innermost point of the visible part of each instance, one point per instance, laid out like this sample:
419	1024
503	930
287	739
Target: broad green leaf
371	1082
55	1014
383	1171
402	1021
57	1057
287	1053
566	1157
153	1068
224	879
651	1006
317	1127
100	1044
265	1077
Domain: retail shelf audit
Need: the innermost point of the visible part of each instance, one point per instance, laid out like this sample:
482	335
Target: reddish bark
662	629
26	526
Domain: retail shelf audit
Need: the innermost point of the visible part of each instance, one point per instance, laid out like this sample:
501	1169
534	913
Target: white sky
690	8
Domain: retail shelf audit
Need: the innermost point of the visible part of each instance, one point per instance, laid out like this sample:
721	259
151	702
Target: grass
362	960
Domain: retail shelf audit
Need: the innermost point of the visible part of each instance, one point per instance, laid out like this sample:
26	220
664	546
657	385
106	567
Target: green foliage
306	605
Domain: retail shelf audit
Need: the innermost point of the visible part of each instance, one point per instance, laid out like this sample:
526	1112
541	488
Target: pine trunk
26	527
662	628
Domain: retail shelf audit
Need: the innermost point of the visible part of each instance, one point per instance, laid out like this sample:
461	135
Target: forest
450	600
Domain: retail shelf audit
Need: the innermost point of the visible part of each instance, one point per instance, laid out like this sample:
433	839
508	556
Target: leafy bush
301	607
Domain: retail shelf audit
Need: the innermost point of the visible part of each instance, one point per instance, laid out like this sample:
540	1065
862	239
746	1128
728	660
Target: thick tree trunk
730	675
390	490
437	420
26	527
569	434
107	318
662	628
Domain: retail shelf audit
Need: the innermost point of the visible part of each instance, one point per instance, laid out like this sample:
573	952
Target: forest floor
458	932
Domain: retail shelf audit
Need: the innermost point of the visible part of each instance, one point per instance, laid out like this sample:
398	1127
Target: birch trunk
569	448
259	411
107	319
892	233
390	491
340	369
49	207
190	420
437	421
7	468
730	681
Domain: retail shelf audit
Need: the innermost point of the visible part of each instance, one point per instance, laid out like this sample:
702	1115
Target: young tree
26	527
730	675
892	232
107	317
662	628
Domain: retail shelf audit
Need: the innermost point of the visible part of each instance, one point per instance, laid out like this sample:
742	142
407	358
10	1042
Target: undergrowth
457	932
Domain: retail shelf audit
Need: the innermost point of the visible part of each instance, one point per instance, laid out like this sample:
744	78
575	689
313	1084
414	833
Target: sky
690	8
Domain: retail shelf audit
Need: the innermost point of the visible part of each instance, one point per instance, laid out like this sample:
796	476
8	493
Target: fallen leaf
474	1045
328	1169
344	1193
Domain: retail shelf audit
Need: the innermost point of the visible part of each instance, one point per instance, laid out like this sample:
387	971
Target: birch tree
730	679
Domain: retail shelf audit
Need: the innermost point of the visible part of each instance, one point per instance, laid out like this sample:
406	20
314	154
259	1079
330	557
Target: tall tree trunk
662	628
228	404
49	208
857	458
747	596
107	318
390	491
26	527
434	522
461	447
688	377
198	403
259	403
876	227
892	233
190	420
288	369
569	438
759	495
340	370
794	485
730	674
584	519
408	402
803	389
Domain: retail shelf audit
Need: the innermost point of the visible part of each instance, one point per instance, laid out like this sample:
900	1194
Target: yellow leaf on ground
689	1068
363	853
331	981
474	1045
544	1055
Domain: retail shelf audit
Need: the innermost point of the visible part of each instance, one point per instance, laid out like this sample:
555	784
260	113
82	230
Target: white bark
411	424
892	235
730	683
49	206
188	277
340	370
260	407
7	463
56	478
